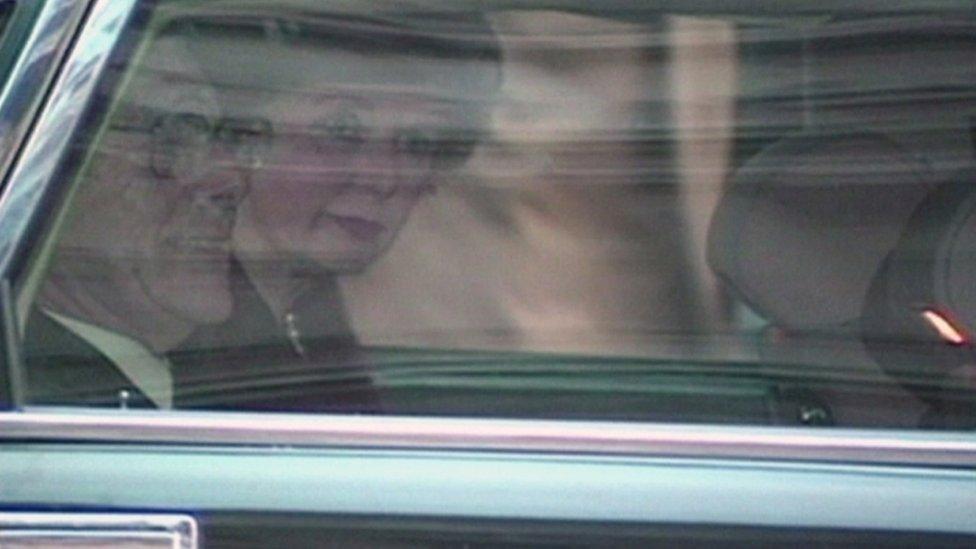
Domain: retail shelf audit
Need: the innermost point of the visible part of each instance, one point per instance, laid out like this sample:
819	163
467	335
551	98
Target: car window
34	36
5	9
647	214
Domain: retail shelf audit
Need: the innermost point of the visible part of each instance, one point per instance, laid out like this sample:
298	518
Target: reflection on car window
6	8
698	217
6	14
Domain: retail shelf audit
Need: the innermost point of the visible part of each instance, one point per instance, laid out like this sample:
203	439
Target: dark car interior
838	232
683	272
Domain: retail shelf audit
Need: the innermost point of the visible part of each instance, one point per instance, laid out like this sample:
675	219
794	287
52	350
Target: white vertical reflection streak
703	87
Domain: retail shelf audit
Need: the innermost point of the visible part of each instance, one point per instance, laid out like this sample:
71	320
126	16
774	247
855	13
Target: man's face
155	214
356	139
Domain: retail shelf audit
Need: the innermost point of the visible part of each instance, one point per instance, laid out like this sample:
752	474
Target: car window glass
6	14
5	9
594	213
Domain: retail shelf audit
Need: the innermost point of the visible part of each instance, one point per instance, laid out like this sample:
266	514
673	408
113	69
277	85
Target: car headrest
805	224
920	315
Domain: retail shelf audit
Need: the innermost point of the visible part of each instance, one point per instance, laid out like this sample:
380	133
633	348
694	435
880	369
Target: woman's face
349	161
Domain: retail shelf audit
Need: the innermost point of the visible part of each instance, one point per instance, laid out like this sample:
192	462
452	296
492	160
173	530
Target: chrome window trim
49	140
588	489
98	530
939	449
32	178
33	71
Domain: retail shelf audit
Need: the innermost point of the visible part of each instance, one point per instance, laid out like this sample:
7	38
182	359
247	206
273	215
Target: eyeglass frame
151	121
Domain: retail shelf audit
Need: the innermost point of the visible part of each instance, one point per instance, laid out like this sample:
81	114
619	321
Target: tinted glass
738	216
5	9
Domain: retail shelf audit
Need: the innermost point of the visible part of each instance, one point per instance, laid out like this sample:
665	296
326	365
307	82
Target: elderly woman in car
360	119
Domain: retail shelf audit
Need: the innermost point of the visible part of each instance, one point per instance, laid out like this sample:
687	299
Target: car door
396	274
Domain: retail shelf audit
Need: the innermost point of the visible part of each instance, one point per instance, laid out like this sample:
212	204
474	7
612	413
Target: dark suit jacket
64	369
247	363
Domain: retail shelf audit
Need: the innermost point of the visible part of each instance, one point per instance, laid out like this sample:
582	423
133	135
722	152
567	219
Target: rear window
738	215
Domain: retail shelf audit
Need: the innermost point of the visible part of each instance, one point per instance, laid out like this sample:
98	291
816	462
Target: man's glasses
183	144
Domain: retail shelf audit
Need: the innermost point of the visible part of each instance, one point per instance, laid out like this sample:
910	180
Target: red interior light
947	329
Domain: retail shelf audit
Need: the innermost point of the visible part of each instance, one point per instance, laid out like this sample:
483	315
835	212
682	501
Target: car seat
920	311
853	235
802	201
